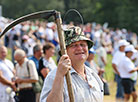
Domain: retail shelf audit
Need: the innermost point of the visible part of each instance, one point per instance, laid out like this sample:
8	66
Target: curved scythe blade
41	14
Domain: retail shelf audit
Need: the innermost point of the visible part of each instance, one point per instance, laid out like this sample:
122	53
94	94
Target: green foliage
17	8
128	14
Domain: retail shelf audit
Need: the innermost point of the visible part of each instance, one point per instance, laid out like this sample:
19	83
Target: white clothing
135	56
125	66
23	73
101	52
49	64
117	58
49	34
6	66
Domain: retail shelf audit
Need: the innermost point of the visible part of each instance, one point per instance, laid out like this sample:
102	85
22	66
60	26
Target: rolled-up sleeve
48	83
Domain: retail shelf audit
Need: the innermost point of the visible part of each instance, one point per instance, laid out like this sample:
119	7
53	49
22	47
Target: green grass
109	74
9	54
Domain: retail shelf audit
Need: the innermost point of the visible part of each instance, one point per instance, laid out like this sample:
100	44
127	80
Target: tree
17	8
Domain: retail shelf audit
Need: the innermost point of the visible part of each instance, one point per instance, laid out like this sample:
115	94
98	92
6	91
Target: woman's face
50	52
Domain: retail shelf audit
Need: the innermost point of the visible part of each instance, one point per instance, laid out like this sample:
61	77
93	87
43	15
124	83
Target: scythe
46	15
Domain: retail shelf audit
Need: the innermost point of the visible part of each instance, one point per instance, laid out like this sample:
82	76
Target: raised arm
56	94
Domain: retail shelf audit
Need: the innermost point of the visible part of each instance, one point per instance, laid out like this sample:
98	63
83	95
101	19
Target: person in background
86	84
15	45
115	61
91	63
102	57
6	75
46	63
135	56
37	54
26	74
128	73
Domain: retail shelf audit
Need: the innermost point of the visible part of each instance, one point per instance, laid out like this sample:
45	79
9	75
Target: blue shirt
36	61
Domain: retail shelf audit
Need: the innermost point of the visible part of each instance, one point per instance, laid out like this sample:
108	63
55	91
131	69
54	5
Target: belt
26	88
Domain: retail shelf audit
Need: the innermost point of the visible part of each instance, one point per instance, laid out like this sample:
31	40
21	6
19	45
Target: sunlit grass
109	74
9	54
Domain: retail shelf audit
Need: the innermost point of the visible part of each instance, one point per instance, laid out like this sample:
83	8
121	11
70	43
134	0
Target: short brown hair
47	46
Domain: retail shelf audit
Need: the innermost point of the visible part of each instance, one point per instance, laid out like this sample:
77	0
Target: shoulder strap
8	67
28	68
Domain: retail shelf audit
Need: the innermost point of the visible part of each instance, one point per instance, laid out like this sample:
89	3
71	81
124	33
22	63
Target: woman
46	63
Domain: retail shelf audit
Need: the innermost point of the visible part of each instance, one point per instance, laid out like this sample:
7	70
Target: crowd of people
33	45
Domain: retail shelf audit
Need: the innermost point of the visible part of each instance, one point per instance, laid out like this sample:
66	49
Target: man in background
26	74
115	62
37	53
6	75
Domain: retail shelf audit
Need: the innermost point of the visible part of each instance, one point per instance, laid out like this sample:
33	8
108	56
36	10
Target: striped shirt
84	91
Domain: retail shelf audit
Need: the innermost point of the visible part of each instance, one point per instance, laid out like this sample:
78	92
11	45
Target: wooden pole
63	51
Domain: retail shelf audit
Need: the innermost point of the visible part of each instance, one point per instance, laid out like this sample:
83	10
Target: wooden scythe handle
63	51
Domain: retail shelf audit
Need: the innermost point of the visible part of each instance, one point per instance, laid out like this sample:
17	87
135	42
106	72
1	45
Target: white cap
123	43
50	24
130	48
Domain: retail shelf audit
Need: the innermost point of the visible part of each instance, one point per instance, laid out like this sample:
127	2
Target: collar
87	70
72	70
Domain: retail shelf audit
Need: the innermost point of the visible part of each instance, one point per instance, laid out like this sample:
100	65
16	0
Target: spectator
91	63
128	73
37	53
27	45
15	45
135	56
26	75
6	75
102	56
49	32
46	63
115	61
